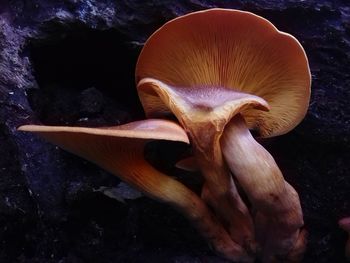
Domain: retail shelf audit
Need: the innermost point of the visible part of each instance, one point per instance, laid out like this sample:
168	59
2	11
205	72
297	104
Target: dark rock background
72	62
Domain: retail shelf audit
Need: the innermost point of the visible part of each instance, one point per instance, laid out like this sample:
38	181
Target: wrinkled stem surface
278	216
219	190
166	189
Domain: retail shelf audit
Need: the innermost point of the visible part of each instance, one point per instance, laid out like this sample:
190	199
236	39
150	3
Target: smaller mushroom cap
119	150
146	129
116	148
196	107
234	50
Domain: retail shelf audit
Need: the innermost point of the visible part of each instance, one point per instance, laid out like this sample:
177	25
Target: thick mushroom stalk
278	214
345	225
204	113
119	150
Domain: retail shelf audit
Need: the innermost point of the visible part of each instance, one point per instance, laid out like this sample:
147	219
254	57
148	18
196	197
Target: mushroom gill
221	73
119	150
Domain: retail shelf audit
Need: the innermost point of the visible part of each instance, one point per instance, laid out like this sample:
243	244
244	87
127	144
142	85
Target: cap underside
236	50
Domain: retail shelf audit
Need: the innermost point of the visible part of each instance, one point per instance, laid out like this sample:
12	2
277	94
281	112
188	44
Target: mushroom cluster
221	73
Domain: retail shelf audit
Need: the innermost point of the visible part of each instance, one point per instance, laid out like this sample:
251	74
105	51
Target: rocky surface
72	62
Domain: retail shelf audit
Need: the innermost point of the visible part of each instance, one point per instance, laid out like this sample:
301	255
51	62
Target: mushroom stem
278	216
219	189
164	188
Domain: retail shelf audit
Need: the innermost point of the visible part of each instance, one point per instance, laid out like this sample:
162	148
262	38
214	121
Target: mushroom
345	225
119	150
223	73
204	120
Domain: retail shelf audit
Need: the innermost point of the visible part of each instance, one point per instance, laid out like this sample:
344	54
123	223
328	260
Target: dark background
72	62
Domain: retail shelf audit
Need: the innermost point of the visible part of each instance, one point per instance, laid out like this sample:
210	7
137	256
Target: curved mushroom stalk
119	150
345	225
279	217
204	113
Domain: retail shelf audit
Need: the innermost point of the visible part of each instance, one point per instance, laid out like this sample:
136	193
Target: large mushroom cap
235	50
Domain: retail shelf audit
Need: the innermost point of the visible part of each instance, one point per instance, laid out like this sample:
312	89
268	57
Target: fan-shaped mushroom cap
146	129
235	50
119	150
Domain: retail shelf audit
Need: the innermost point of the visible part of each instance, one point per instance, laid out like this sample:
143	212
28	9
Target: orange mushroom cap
236	50
151	129
119	150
